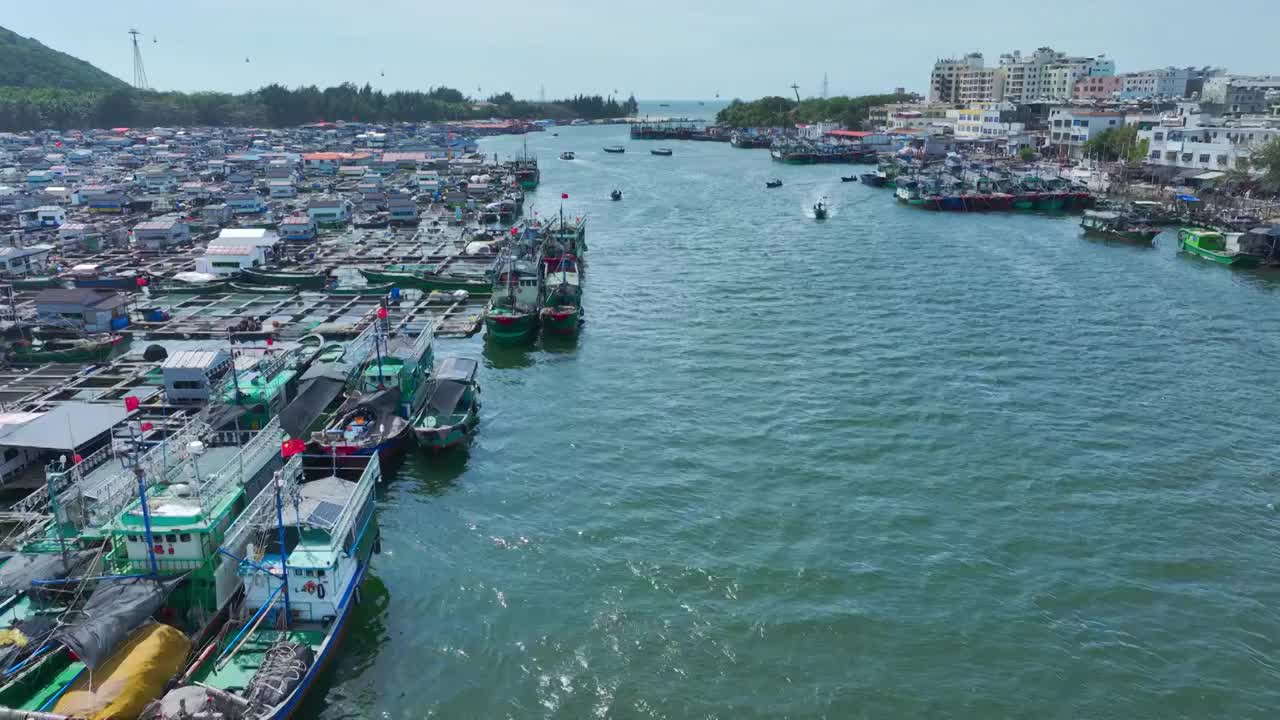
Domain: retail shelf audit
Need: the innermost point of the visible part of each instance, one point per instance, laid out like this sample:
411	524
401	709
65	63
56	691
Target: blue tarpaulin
1188	198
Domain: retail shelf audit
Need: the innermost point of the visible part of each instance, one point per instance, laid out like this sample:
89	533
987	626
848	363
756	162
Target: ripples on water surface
895	464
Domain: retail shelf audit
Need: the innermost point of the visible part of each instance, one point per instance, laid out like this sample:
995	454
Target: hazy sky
654	48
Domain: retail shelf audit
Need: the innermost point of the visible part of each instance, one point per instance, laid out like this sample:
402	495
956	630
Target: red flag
270	341
76	459
289	448
130	403
382	313
564	196
146	426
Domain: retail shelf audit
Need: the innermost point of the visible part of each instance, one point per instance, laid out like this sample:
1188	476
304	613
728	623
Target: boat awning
445	395
66	427
457	368
311	401
1211	175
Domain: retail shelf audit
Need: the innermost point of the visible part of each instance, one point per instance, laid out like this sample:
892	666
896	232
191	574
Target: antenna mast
139	72
824	86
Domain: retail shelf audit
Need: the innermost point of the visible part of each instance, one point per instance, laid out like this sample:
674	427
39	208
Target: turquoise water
891	465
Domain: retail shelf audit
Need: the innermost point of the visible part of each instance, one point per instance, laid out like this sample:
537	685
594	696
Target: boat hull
561	320
1143	237
298	280
408	281
1224	259
443	438
511	329
95	353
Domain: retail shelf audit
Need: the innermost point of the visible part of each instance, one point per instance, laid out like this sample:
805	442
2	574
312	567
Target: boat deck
234	676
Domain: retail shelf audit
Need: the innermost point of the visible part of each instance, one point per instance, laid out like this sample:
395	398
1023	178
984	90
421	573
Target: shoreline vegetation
26	108
776	111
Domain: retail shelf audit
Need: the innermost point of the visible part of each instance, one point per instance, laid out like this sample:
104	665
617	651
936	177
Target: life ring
320	591
310	587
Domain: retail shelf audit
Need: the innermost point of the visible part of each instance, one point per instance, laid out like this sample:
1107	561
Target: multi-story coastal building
1189	138
1045	74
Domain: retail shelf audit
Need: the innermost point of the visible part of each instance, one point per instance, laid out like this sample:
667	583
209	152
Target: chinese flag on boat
294	446
146	427
130	403
564	196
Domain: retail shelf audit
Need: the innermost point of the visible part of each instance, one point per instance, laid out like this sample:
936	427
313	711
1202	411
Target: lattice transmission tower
139	72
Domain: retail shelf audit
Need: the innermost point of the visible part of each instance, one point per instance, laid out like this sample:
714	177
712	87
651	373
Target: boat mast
284	552
136	432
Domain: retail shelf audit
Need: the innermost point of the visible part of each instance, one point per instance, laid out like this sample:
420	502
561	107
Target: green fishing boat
377	289
909	192
156	560
35	283
264	386
179	288
511	316
307	281
1212	246
94	349
264	289
389	392
424	276
561	312
452	409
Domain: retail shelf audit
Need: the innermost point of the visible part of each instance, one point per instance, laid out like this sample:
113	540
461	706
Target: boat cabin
329	531
190	375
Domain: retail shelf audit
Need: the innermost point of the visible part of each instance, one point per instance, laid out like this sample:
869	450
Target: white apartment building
1238	94
1045	74
945	81
1070	128
1190	139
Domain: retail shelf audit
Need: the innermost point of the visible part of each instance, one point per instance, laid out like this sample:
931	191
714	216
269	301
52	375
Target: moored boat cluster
191	532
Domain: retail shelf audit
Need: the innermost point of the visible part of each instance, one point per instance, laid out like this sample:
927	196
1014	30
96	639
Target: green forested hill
25	62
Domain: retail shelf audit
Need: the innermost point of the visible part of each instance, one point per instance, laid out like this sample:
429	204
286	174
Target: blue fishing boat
320	532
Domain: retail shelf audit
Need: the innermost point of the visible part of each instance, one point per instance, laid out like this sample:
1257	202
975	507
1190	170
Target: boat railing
160	463
235	472
364	488
265	367
60	476
260	512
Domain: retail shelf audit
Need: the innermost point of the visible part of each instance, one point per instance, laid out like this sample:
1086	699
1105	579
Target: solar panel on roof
325	515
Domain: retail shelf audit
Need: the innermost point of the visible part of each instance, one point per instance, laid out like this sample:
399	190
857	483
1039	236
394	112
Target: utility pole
796	89
824	86
139	72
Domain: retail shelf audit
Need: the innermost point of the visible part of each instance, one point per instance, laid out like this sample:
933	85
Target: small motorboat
567	155
848	178
820	210
773	184
615	149
616	195
664	152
